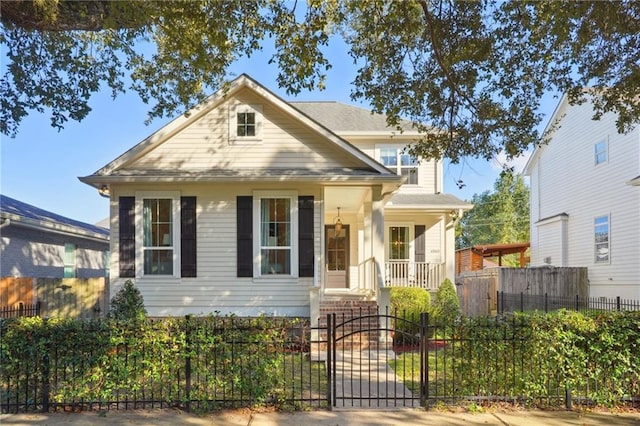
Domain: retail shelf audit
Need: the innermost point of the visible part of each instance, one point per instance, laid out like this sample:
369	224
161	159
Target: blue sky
41	165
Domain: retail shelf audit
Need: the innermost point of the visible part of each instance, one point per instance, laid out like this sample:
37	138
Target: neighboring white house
585	202
250	204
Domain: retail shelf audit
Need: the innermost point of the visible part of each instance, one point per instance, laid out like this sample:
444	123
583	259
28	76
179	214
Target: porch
425	275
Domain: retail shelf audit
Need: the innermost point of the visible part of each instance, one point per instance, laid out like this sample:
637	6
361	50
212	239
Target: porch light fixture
104	191
337	222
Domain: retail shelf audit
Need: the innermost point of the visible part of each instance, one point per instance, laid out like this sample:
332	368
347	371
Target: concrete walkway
365	380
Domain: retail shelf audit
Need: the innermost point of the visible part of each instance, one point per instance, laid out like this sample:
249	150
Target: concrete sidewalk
370	417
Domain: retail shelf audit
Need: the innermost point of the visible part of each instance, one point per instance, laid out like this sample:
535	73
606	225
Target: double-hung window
69	261
158	238
276	220
400	162
601	238
158	245
600	152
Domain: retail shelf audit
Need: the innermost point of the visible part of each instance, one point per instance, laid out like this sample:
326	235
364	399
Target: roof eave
17	220
98	180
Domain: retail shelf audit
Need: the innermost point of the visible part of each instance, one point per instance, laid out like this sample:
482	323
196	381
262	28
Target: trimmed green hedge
233	359
536	356
407	303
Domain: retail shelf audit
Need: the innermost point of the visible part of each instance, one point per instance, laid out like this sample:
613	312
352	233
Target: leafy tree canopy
473	70
498	216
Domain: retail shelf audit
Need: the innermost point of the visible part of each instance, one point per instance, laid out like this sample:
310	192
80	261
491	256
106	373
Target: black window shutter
188	230
305	236
419	243
244	223
127	236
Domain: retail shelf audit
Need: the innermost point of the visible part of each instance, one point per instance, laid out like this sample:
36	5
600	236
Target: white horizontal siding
534	215
434	243
551	234
566	180
217	288
286	143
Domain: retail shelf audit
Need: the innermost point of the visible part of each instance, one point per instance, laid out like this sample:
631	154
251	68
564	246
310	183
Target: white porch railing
401	273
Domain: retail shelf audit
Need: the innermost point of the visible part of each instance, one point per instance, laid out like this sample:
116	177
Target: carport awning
499	250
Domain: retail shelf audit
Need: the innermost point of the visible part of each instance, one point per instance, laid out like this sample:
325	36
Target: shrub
128	304
408	303
446	306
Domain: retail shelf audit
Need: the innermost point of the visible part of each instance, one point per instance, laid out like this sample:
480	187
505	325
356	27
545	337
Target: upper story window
601	153
401	162
69	261
245	122
601	238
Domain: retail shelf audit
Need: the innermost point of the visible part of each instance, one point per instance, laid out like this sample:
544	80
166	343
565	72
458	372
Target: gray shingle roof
340	117
10	207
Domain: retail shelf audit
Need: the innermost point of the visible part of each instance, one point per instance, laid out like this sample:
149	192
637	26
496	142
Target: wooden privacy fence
57	297
16	290
477	290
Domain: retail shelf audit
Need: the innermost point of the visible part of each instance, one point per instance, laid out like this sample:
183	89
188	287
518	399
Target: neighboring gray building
40	244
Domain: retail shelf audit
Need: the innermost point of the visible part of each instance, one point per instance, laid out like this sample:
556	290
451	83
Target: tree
446	306
469	74
501	216
128	304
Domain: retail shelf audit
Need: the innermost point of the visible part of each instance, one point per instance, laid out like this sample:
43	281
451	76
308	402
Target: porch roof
404	200
244	175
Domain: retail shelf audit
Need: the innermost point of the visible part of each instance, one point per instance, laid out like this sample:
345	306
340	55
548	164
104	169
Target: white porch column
367	253
377	235
450	249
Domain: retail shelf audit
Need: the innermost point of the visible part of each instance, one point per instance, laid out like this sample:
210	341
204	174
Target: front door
337	255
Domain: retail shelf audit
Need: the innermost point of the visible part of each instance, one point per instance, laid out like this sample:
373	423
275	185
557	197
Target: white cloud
517	163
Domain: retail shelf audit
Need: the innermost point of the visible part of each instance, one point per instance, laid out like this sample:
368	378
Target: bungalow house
585	203
253	205
39	249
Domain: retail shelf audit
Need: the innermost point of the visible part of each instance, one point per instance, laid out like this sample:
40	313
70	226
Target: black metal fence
521	302
21	310
489	360
194	364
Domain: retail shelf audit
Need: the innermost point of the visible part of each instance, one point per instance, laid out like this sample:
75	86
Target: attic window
245	123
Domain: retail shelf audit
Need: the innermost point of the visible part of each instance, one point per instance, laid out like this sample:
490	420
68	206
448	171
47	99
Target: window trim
233	122
604	152
293	217
139	231
595	242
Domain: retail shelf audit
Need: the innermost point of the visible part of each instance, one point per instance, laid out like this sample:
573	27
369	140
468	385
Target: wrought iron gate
360	351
